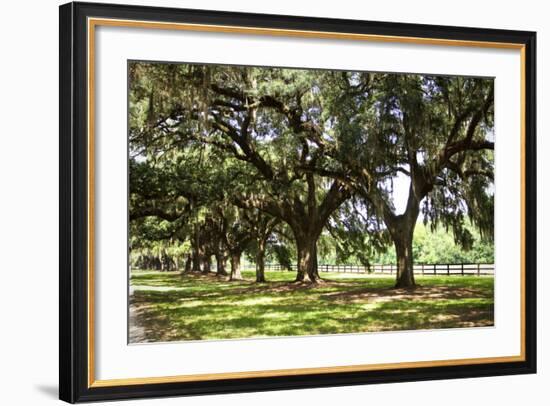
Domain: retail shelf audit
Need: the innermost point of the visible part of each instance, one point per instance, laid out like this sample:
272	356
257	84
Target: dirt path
136	333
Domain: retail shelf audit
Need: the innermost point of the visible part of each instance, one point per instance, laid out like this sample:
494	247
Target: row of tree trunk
162	262
199	259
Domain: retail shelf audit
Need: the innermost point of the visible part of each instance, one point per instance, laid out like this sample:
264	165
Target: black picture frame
74	384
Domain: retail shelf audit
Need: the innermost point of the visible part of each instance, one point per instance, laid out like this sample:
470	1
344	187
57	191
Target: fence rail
419	269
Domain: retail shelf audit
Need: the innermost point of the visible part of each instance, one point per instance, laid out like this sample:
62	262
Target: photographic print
270	202
240	191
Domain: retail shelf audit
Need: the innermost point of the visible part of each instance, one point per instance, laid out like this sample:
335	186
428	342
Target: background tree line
429	247
284	162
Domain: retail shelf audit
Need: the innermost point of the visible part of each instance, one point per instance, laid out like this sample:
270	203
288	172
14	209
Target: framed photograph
256	202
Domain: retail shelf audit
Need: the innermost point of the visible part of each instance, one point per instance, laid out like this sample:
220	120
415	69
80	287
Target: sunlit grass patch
171	307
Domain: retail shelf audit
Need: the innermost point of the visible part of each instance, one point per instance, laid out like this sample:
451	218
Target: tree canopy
228	159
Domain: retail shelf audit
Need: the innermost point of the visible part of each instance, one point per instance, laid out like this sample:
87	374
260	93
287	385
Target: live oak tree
159	217
436	132
187	192
261	117
261	228
167	196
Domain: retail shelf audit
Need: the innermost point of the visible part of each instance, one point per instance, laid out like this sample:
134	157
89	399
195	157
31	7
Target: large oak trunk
197	250
235	267
404	255
188	264
207	264
402	230
307	261
197	259
221	261
260	261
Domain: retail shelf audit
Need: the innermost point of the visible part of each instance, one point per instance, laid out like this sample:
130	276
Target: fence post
462	270
478	270
449	270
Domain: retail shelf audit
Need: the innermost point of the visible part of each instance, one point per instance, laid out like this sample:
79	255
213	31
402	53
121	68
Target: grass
171	307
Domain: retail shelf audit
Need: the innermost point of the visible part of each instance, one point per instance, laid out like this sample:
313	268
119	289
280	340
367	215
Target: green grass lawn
171	307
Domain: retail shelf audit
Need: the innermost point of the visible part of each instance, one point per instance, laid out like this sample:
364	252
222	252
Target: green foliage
282	255
439	247
222	150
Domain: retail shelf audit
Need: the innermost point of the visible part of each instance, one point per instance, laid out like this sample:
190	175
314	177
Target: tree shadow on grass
175	308
223	321
420	293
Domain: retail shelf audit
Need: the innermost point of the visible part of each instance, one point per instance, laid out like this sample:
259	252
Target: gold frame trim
94	22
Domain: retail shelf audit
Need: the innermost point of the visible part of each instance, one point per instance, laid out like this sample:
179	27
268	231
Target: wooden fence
419	269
